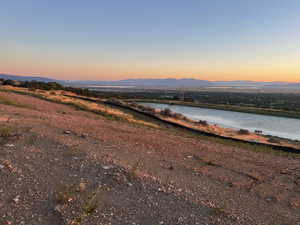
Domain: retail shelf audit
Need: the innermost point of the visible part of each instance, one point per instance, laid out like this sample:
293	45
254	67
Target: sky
111	40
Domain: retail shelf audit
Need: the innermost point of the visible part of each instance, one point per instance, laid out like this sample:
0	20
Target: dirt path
139	174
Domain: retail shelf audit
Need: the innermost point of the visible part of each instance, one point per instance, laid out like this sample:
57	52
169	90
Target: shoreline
229	133
230	108
211	130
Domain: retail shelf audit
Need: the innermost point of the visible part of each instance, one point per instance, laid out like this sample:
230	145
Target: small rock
67	132
9	145
170	167
271	199
58	208
108	167
81	186
16	199
2	166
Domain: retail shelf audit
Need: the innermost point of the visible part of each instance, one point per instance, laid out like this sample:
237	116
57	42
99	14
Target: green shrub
244	132
203	123
274	140
166	112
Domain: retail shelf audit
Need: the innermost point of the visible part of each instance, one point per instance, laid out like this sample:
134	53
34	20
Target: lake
270	125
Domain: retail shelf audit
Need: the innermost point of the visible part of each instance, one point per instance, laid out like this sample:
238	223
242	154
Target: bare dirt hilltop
61	165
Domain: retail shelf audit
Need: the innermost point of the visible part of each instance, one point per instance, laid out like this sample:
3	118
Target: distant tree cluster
244	132
41	85
275	101
48	86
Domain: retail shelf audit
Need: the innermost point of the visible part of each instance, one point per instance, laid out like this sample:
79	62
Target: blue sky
107	40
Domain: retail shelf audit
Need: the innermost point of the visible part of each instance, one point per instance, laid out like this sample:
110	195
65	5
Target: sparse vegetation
203	123
89	207
244	132
5	131
210	163
218	211
198	167
133	171
274	140
8	101
74	195
166	112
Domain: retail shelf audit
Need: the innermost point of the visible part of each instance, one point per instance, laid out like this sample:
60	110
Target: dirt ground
60	165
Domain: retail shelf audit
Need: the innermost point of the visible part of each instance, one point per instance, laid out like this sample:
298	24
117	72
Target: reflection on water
272	125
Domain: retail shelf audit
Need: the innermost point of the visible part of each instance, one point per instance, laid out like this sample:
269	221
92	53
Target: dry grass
5	131
102	109
88	202
8	101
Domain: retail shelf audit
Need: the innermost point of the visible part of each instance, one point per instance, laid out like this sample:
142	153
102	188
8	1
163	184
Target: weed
89	207
133	171
64	197
274	140
203	123
6	131
73	147
219	211
210	163
244	132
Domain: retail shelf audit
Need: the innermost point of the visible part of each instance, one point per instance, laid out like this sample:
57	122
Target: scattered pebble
83	135
58	208
10	145
108	167
81	186
16	199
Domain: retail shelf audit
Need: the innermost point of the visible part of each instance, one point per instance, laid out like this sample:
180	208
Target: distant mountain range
170	82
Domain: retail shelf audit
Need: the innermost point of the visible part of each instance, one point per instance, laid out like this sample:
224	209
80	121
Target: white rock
10	145
108	167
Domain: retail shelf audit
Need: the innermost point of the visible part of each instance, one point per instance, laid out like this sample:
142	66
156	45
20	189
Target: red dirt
203	182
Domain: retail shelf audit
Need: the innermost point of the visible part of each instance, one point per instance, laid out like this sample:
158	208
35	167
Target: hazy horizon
99	40
198	78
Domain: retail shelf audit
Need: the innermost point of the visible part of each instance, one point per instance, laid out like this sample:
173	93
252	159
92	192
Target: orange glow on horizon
262	76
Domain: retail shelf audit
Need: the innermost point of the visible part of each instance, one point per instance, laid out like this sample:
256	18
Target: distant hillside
149	82
284	86
170	82
242	83
186	83
26	78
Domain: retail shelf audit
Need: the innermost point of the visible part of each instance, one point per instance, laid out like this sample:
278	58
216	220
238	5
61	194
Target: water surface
271	125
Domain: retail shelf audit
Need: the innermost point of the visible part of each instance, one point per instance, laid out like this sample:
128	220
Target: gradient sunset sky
110	40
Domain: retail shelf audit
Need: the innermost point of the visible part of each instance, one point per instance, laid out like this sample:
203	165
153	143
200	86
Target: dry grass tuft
5	131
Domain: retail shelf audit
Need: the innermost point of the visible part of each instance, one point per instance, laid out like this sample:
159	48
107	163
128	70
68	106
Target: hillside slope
61	165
